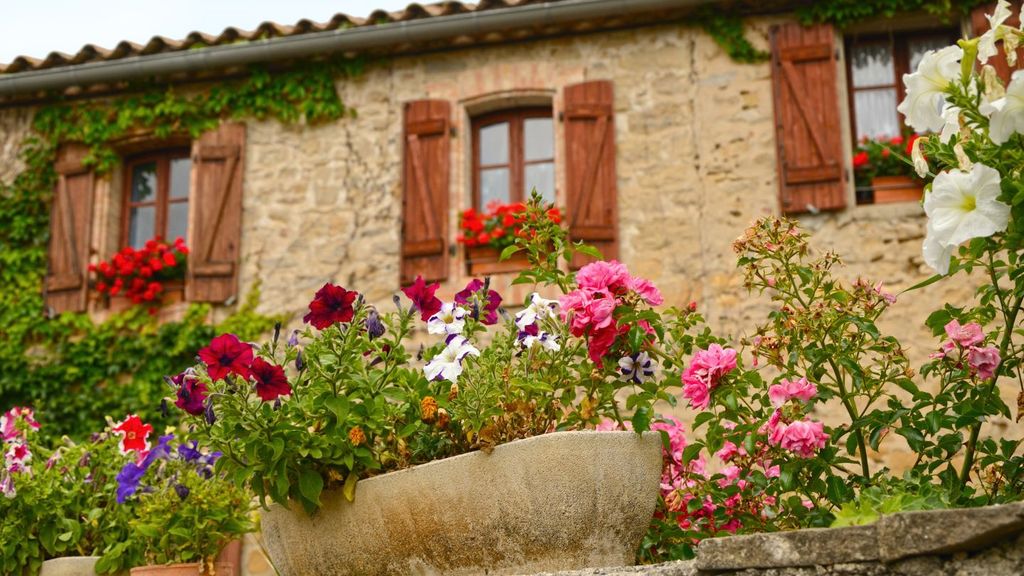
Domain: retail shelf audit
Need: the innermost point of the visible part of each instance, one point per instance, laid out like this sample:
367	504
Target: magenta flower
487	304
647	290
705	372
729	451
610	277
983	361
9	428
225	355
423	298
786	390
190	391
967	335
270	380
804	438
331	305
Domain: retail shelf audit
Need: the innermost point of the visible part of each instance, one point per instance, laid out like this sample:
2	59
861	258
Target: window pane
539	138
872	65
918	46
140	225
180	168
144	182
542	177
494	144
493	187
876	113
177	221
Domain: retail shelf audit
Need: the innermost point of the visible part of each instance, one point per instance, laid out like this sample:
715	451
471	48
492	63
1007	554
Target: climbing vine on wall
75	371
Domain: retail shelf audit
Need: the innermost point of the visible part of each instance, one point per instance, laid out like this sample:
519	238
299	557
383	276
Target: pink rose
983	361
967	335
785	390
647	290
611	277
697	392
730	451
676	436
704	373
804	438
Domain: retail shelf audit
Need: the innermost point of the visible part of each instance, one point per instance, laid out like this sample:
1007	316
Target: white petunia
447	365
547	341
636	368
951	123
450	319
926	88
960	206
996	31
920	162
1007	113
538	309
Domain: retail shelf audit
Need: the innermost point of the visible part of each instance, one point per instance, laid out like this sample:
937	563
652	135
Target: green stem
851	409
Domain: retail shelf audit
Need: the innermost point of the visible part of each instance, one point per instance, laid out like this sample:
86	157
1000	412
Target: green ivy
74	371
727	31
843	13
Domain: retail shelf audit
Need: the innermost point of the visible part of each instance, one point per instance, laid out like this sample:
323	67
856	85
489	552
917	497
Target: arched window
513	152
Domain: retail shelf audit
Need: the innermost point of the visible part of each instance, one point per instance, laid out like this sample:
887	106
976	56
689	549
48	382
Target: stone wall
971	542
696	162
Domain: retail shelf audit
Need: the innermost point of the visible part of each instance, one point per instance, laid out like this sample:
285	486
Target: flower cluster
140	274
705	373
883	157
498	226
228	357
15	425
965	342
601	288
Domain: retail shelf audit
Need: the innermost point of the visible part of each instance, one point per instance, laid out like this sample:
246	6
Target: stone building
658	146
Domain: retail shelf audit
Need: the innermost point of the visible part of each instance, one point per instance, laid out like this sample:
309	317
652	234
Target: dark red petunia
487	304
225	355
331	305
423	298
191	392
270	380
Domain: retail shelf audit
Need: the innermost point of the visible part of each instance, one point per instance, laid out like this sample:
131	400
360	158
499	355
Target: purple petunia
130	476
486	301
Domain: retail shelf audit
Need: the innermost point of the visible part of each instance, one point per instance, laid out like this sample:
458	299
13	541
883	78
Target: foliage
64	505
844	13
70	367
883	157
889	497
727	31
355	403
498	226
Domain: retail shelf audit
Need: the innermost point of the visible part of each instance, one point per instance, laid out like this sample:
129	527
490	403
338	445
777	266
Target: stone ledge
938	532
783	549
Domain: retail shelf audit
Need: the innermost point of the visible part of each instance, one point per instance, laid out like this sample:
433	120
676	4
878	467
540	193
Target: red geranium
225	355
142	271
498	227
331	305
860	159
270	380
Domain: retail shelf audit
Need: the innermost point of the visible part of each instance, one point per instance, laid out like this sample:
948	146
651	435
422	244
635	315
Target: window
513	152
876	68
156	198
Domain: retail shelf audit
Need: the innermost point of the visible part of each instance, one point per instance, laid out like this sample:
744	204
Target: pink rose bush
705	372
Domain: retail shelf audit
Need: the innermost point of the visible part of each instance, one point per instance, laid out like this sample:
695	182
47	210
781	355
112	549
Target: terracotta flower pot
190	569
560	501
896	189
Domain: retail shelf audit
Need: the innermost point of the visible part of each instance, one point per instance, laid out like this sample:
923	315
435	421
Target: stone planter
191	569
560	501
70	566
896	189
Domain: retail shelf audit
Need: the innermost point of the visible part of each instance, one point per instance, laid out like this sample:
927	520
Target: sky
38	27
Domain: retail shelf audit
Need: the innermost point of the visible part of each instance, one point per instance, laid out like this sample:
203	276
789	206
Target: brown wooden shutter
979	25
807	120
591	199
66	286
215	222
425	184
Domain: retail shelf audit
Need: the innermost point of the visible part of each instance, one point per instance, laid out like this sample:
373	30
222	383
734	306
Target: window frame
516	153
162	202
899	40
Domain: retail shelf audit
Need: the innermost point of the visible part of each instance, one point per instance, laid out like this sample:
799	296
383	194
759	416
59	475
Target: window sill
484	261
171	308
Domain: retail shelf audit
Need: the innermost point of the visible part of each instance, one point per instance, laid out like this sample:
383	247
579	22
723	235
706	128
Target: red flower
555	215
225	355
191	392
270	380
169	259
156	264
423	298
489	313
886	152
134	433
896	141
331	305
910	143
860	159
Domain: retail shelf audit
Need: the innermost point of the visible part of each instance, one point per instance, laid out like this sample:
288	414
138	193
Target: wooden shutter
215	220
591	199
807	122
425	191
980	25
66	286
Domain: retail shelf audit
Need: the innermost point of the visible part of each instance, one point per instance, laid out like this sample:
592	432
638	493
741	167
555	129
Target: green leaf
349	491
310	485
923	283
508	252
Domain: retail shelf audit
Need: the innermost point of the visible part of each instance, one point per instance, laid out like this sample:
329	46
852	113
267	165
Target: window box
173	293
484	260
896	189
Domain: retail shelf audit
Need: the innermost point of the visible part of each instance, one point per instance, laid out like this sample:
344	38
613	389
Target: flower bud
374	327
300	362
182	491
356	436
277	332
428	409
210	416
443	419
453	393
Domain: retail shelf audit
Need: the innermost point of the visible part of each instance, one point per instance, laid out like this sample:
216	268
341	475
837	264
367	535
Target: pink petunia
786	390
983	361
967	335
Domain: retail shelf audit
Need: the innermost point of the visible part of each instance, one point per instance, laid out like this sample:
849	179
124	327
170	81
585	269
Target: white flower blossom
636	368
920	163
450	319
996	31
538	309
447	365
1007	113
926	88
960	206
951	123
546	340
